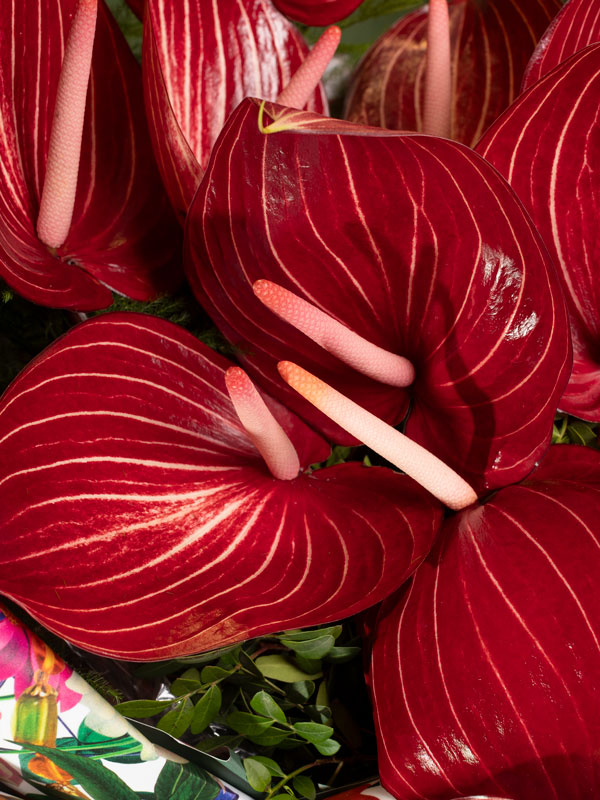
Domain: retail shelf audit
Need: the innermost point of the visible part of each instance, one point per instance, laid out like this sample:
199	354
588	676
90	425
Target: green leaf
306	636
270	738
259	777
312	731
327	748
140	709
185	782
263	703
304	786
249	665
311	648
211	674
300	691
182	686
581	433
322	695
271	765
206	709
210	743
278	668
96	779
248	724
339	655
177	721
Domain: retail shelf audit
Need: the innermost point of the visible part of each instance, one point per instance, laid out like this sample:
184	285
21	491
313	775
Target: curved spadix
428	470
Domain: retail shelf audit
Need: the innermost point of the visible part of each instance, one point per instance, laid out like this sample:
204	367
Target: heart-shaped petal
575	26
123	234
413	242
201	58
491	43
485	673
140	522
547	145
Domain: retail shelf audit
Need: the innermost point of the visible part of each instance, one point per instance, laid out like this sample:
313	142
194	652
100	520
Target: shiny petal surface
414	243
491	43
127	475
123	234
547	145
202	57
485	673
317	12
574	27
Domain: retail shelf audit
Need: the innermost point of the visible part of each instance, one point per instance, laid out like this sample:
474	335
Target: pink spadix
306	78
337	339
62	166
438	78
266	433
407	455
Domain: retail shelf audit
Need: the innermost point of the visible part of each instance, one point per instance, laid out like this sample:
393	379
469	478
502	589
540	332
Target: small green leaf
182	686
140	709
327	748
312	731
309	665
322	695
249	665
259	777
212	674
300	691
263	703
177	721
367	461
185	782
270	738
271	765
248	724
210	743
311	648
581	433
304	786
206	709
339	655
278	668
306	636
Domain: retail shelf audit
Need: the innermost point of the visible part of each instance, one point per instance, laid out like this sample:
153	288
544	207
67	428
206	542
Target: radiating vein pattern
491	44
201	58
140	521
485	672
413	243
123	234
548	147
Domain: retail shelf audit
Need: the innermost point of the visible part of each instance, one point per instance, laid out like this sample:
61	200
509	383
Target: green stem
319	762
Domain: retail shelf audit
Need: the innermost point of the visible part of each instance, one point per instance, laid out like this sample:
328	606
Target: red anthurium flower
490	45
82	210
200	60
485	671
154	528
548	147
317	12
412	243
574	27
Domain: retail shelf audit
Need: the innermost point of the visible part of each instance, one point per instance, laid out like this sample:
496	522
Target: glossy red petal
574	27
140	522
201	59
548	147
414	243
491	43
317	12
486	673
123	234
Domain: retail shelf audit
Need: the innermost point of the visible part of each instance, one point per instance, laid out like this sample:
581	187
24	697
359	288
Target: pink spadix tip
337	339
306	78
266	433
407	455
62	166
438	76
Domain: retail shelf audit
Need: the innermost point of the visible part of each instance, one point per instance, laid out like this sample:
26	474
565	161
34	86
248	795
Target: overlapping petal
547	145
317	12
485	674
575	26
123	234
491	44
414	243
201	58
140	522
